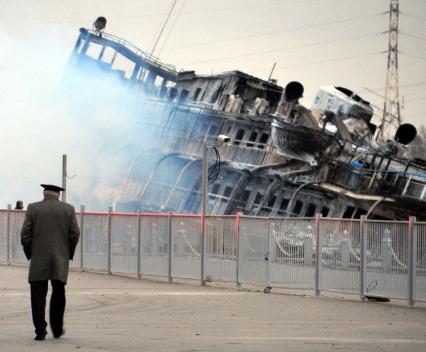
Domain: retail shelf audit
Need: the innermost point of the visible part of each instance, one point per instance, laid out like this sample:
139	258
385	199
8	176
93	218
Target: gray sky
318	42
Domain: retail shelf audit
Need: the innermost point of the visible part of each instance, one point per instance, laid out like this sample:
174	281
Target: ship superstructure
282	159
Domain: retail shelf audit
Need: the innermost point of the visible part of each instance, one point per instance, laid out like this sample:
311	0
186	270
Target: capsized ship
283	159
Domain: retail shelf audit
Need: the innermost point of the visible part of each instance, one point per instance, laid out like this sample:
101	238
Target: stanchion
412	254
317	232
362	256
82	211
110	209
139	246
169	249
9	208
237	250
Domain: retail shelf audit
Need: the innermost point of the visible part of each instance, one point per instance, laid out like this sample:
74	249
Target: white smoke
43	119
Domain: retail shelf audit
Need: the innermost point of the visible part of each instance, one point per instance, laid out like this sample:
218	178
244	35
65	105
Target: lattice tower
391	111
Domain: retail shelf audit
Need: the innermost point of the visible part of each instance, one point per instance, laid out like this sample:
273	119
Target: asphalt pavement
115	313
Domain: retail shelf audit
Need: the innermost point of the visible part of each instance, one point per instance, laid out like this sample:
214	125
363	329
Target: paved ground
107	313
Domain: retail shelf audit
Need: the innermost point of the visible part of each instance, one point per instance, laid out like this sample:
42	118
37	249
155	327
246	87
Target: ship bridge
135	64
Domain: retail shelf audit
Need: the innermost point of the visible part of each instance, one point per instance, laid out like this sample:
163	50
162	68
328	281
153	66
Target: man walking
49	236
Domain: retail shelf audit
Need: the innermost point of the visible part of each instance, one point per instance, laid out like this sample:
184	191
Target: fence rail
360	257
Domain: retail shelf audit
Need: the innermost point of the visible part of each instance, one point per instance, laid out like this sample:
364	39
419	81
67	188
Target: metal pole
170	249
139	245
272	71
237	250
82	211
362	256
268	259
64	177
9	208
110	209
204	182
412	244
317	231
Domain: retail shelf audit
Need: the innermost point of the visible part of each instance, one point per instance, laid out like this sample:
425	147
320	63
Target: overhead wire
257	35
172	27
412	36
255	53
413	16
336	59
413	56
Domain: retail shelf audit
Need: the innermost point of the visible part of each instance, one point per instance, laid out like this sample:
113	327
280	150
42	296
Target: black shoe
40	337
58	334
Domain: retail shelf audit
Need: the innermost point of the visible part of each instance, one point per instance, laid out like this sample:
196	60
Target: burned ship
282	159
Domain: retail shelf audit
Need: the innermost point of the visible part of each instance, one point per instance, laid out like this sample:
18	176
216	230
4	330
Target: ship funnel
293	91
100	23
405	133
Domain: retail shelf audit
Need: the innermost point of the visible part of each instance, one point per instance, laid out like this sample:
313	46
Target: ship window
263	140
284	203
325	211
245	196
239	136
216	95
107	54
227	192
196	94
348	212
359	212
183	95
271	201
94	50
311	210
298	207
215	188
212	130
252	138
258	198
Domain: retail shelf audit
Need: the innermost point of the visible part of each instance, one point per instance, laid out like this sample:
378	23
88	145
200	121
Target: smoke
46	114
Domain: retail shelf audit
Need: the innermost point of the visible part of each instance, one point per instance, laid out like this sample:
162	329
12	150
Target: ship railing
398	184
139	52
354	256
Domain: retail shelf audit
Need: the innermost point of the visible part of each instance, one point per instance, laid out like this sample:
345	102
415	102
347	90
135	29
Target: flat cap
52	188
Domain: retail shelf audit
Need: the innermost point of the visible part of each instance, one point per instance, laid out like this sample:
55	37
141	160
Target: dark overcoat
49	236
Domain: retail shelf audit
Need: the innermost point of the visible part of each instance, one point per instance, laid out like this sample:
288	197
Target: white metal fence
362	257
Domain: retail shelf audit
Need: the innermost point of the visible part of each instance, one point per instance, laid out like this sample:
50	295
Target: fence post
412	253
170	249
139	245
317	231
237	250
9	208
362	255
268	259
110	209
203	230
82	211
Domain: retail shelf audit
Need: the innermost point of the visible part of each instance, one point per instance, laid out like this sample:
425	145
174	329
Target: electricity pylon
391	111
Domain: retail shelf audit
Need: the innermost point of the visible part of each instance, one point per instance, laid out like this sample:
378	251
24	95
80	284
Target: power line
335	59
414	56
407	85
256	53
413	16
416	99
249	36
412	36
172	27
162	27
